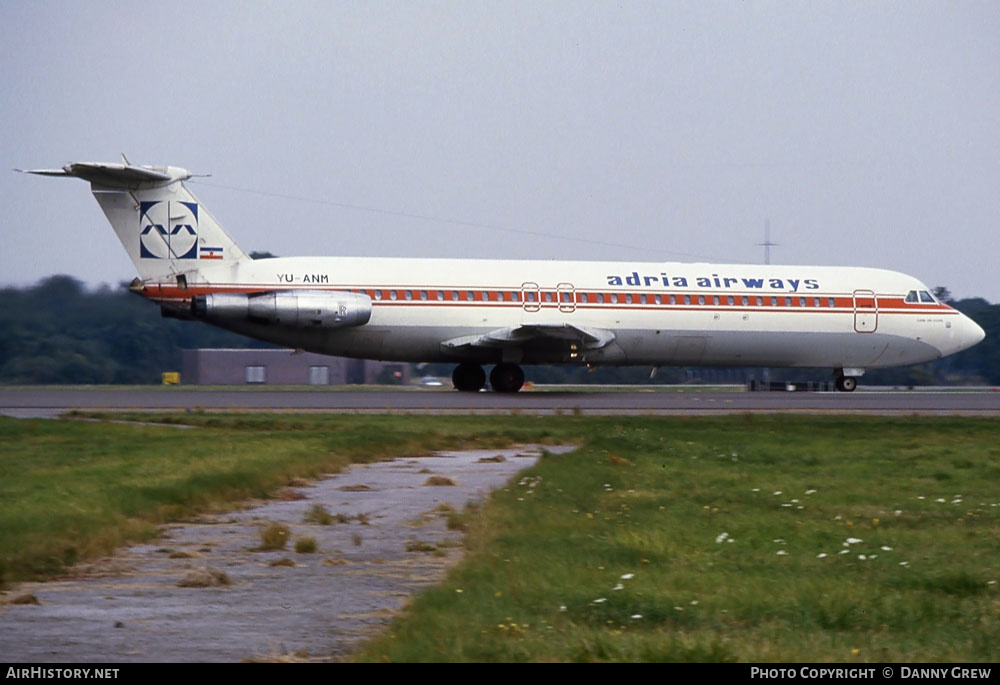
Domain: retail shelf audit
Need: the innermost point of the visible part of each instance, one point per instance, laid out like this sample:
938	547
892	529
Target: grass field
738	538
73	490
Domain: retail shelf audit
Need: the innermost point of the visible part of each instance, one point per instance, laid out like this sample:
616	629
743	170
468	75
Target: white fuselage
510	313
659	313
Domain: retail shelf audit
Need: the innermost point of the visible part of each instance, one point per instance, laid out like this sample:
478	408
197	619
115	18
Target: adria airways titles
510	313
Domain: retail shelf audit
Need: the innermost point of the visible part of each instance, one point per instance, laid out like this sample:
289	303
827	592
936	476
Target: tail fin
160	223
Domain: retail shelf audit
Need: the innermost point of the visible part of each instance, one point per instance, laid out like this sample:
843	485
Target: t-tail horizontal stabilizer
164	228
115	175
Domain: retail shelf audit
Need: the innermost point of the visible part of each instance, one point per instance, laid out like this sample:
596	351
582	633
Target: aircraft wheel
506	377
846	383
468	377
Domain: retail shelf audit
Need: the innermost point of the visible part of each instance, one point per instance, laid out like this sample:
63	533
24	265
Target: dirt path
131	607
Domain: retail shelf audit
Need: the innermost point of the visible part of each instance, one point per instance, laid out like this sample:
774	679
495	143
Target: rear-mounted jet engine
299	308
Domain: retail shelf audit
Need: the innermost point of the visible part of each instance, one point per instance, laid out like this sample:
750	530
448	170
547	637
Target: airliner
505	313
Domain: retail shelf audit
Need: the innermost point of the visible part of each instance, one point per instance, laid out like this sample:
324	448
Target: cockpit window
925	296
911	296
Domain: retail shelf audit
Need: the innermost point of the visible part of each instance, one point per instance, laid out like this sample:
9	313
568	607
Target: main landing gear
470	377
506	377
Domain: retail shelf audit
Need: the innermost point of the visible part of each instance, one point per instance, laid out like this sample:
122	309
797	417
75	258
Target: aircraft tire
507	378
846	383
468	377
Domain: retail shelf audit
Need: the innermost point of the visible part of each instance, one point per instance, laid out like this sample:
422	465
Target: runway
40	401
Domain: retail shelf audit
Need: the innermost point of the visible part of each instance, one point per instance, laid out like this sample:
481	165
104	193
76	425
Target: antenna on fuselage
767	244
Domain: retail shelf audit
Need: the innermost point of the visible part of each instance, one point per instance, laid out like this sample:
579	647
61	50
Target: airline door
865	311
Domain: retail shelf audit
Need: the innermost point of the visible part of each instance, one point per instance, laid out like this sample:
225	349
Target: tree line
58	331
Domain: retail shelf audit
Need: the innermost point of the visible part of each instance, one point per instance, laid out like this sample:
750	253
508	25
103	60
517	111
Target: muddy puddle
164	602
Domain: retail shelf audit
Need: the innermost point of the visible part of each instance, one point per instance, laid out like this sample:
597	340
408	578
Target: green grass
274	536
659	498
652	497
74	490
318	515
306	545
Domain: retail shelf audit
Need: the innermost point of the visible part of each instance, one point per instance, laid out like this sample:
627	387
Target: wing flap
518	336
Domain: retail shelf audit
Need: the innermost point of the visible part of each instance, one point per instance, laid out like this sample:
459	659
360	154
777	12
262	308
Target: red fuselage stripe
569	300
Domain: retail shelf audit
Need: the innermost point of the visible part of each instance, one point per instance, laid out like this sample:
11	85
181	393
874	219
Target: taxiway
37	401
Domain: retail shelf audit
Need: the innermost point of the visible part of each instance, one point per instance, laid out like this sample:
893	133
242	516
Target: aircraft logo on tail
168	230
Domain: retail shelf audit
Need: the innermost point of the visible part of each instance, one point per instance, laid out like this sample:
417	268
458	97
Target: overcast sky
866	133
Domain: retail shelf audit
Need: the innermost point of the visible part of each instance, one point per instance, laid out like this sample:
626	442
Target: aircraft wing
519	336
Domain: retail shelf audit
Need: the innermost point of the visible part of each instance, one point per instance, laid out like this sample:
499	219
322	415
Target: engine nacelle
299	308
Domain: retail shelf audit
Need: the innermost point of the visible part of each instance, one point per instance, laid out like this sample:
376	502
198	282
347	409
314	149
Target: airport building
284	367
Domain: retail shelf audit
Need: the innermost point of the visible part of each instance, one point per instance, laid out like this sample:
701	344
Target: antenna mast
767	244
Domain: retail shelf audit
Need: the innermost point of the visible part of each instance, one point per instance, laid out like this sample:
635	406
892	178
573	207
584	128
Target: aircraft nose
969	333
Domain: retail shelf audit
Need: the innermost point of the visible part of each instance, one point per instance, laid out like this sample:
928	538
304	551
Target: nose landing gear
846	383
